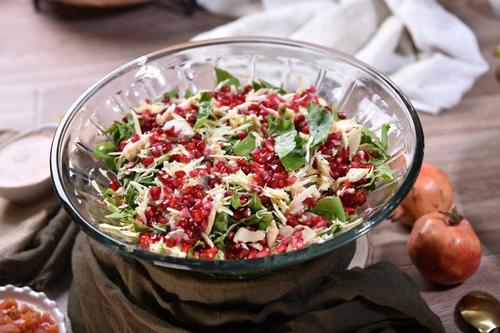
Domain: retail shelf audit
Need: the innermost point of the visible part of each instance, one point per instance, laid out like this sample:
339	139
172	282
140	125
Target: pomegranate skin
444	253
432	192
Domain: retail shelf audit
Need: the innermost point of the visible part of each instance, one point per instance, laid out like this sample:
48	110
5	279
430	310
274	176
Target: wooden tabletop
46	61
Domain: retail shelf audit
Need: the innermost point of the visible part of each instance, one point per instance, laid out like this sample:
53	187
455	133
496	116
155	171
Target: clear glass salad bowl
357	90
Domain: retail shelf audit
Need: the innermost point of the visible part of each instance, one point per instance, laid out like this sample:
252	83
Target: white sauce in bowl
25	161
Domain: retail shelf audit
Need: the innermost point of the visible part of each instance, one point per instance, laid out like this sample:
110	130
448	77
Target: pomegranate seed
135	137
155	192
147	161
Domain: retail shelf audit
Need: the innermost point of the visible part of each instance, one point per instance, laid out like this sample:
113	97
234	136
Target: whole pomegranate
432	192
444	248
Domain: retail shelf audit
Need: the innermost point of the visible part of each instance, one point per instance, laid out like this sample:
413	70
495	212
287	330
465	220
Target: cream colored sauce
25	161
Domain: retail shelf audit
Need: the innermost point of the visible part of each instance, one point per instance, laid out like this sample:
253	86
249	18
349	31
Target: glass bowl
357	89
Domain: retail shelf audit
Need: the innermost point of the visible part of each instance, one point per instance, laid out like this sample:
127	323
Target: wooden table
46	62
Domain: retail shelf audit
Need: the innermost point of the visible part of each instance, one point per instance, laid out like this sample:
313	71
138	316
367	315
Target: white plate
38	300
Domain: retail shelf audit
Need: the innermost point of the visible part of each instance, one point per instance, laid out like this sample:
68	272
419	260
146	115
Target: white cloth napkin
429	53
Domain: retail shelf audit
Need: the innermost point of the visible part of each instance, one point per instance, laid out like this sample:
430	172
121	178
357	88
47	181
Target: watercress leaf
259	84
261	218
235	200
330	208
284	143
121	130
139	227
297	157
131	194
381	144
255	204
381	172
245	146
174	93
220	223
101	151
279	125
319	121
225	76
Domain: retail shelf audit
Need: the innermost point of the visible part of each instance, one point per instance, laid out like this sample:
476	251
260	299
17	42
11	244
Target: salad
243	171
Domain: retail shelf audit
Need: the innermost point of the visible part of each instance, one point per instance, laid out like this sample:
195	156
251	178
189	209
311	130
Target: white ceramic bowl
29	191
38	300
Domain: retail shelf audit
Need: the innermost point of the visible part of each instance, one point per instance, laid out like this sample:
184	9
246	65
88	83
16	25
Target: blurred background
52	50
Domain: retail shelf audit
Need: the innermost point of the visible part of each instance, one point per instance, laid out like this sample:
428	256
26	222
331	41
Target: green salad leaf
297	157
221	222
188	93
245	146
224	76
204	108
235	200
102	150
319	121
260	84
120	130
255	204
380	172
174	93
381	144
196	246
330	208
262	219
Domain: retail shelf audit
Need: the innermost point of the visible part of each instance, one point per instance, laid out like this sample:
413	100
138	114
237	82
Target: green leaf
131	194
204	108
335	113
195	247
138	227
255	204
284	143
221	222
262	219
330	208
225	76
260	84
101	151
381	144
188	93
245	146
297	157
220	241
384	138
120	131
174	93
235	200
279	125
380	172
319	121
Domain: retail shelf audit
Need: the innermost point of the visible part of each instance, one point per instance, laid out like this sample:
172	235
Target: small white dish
38	300
30	190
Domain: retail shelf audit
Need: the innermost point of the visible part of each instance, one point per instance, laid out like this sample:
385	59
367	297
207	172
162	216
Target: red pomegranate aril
135	137
180	174
147	161
114	185
155	192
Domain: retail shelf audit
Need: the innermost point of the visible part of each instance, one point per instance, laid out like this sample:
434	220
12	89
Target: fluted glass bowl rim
215	266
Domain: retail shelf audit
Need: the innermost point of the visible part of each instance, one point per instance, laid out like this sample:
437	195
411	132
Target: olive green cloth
41	237
112	294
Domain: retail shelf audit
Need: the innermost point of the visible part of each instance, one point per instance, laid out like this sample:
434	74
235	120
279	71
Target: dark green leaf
195	247
235	200
262	218
225	76
174	93
259	84
245	146
319	121
381	144
139	227
330	208
255	204
279	125
121	130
